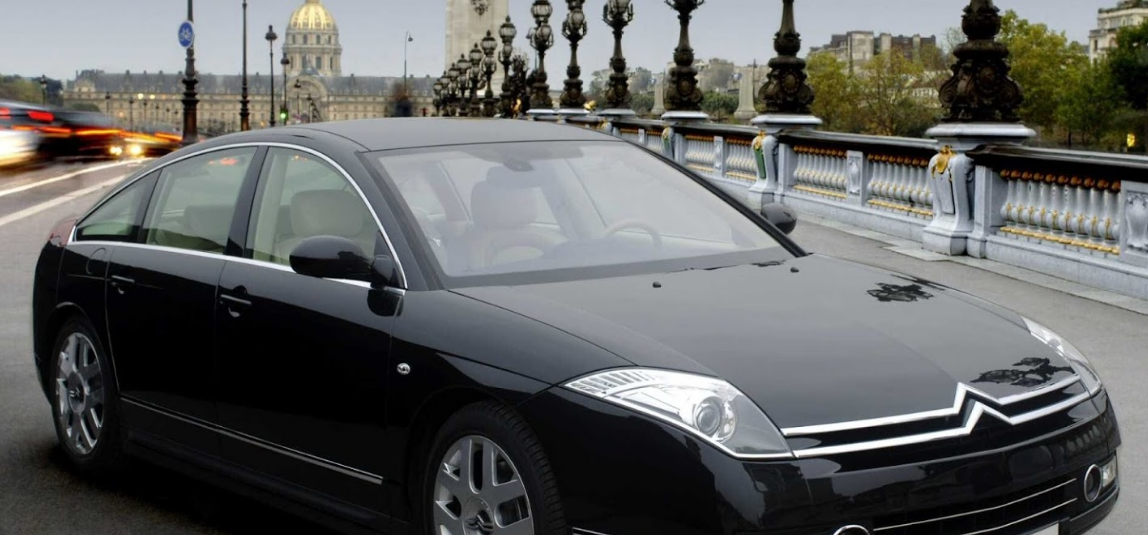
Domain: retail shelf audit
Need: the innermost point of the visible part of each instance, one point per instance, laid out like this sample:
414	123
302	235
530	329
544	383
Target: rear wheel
488	475
84	401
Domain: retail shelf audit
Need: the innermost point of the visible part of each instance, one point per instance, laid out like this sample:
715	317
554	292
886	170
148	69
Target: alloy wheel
478	491
79	394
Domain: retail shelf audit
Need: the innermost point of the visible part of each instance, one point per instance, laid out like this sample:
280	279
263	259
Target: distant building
1110	21
857	47
314	75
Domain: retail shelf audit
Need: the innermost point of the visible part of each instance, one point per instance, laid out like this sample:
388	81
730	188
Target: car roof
408	133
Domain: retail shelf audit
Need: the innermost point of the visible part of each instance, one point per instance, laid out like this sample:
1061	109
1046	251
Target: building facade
1109	22
857	47
315	88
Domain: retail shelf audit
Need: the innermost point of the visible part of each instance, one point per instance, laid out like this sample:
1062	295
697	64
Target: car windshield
541	211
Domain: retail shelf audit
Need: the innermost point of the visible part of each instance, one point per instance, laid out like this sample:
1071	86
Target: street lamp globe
476	55
271	36
507	31
489	43
541	9
463	65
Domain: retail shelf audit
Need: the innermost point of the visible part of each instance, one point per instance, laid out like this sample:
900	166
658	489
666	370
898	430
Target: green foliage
84	106
1040	60
20	89
890	95
836	93
719	105
1090	102
642	103
1129	64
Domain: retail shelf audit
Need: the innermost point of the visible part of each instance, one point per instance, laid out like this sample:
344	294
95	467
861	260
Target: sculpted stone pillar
981	102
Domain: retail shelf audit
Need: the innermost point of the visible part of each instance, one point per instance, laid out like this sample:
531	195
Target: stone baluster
1008	211
1056	206
877	175
1044	197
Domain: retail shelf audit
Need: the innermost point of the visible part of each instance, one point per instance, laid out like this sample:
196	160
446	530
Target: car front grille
1014	514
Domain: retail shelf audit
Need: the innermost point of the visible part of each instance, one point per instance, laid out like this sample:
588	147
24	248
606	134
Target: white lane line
33	210
53	180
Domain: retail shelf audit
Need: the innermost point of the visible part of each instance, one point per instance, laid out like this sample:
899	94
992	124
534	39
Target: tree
641	81
1129	64
642	103
1089	103
891	93
836	93
719	105
1040	59
717	76
84	106
20	89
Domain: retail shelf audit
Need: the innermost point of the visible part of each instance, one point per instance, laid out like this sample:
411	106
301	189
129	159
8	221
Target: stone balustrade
1077	215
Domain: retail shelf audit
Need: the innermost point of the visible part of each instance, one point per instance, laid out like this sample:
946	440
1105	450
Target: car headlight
709	408
135	150
1079	362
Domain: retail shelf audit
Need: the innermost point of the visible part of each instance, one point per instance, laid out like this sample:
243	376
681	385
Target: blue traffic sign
186	34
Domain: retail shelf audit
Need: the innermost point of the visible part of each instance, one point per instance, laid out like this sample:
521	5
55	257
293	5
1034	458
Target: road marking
33	210
53	180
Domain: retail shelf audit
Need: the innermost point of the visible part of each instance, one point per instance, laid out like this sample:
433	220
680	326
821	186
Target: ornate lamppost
574	28
476	81
437	102
489	66
44	88
617	14
463	67
131	112
519	86
505	56
298	98
108	103
285	114
785	90
683	97
980	89
453	75
542	38
190	99
244	97
271	37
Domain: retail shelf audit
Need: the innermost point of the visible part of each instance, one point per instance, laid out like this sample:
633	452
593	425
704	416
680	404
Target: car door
302	361
161	296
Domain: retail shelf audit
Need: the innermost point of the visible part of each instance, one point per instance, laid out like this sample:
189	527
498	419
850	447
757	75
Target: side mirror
781	216
331	257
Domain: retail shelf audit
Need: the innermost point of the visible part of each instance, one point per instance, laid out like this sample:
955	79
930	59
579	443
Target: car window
117	219
195	201
300	196
558	211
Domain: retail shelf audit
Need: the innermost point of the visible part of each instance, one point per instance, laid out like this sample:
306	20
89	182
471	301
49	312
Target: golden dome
312	16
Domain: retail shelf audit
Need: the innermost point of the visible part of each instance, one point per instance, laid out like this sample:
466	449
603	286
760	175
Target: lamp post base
543	114
617	113
685	117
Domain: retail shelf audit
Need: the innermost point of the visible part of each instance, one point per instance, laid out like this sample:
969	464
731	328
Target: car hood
813	341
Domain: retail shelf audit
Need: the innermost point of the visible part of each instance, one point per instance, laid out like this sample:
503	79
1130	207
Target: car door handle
234	304
121	283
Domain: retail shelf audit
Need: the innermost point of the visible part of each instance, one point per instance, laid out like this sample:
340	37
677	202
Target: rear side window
195	200
118	218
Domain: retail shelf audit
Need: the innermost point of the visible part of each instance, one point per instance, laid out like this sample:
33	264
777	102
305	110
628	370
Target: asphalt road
38	494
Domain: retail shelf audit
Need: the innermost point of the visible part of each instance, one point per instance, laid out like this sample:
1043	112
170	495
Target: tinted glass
195	200
488	211
300	196
118	218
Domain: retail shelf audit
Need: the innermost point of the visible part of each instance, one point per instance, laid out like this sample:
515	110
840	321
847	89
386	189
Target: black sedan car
474	327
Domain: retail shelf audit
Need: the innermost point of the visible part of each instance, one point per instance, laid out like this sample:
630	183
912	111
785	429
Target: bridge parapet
1077	215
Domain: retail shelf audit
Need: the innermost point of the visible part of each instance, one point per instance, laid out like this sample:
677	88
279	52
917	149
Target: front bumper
620	473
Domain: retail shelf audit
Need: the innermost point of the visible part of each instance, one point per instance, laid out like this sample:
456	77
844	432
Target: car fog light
1092	483
1108	474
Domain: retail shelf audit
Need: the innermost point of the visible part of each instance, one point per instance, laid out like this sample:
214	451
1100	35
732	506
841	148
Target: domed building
312	40
315	90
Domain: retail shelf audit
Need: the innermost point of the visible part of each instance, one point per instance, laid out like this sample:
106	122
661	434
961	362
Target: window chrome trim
269	446
236	259
979	410
979	511
959	401
256	144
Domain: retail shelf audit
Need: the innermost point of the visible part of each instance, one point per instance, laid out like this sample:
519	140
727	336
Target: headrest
326	213
502	207
209	222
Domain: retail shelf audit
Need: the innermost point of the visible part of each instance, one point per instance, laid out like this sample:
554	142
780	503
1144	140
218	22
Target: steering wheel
635	224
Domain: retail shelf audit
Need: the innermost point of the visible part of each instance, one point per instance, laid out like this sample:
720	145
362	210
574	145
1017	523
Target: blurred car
143	145
17	147
86	134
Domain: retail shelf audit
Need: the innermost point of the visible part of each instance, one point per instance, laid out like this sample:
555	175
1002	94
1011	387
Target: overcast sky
60	37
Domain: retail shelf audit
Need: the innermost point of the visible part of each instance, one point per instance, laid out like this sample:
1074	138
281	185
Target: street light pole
108	103
190	102
298	99
131	112
286	116
406	41
44	88
271	37
244	100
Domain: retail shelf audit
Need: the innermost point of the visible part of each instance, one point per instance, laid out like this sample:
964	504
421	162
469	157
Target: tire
495	433
85	403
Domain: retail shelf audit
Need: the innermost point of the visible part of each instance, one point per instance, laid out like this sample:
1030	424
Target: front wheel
488	475
84	401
